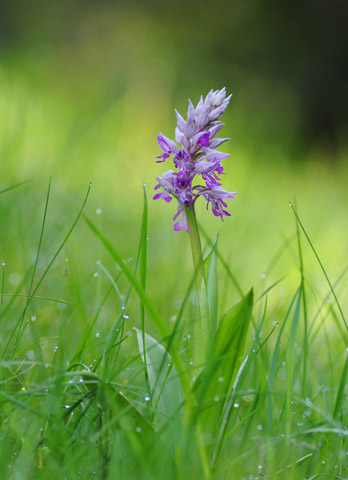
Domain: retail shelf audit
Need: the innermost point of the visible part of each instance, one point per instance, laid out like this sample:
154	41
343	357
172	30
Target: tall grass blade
321	266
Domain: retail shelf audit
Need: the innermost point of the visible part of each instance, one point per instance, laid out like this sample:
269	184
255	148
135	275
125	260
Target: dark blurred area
289	59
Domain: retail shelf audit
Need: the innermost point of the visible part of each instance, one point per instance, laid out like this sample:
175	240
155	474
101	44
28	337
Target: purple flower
182	223
217	196
167	145
195	157
209	171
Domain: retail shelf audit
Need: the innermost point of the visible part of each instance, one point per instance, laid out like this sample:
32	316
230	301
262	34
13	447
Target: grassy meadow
97	304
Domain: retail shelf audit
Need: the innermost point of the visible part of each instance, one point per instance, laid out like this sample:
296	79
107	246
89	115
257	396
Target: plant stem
201	327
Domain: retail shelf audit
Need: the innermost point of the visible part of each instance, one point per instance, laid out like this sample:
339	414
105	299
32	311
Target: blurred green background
86	86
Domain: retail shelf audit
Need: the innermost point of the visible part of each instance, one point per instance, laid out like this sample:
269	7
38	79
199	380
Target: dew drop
275	324
95	274
98	211
3	264
290	204
138	429
33	318
6	420
236	405
260	428
67	406
90	184
220	379
216	399
126	315
147	398
123	307
97	334
55	348
263	275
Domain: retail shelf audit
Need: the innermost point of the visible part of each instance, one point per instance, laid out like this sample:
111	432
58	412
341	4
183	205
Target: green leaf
165	386
340	392
215	382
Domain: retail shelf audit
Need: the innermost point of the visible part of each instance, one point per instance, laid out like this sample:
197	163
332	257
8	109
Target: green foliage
100	404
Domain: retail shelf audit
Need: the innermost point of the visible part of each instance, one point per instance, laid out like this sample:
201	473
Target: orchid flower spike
194	155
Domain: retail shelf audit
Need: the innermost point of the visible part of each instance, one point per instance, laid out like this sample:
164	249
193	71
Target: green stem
201	326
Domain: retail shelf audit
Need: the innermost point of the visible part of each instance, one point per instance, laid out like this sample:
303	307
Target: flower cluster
194	153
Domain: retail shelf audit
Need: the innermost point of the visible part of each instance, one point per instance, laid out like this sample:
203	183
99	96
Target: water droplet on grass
3	264
33	318
216	399
220	379
147	398
260	428
98	211
67	406
290	204
97	334
95	274
126	315
236	405
263	275
138	429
